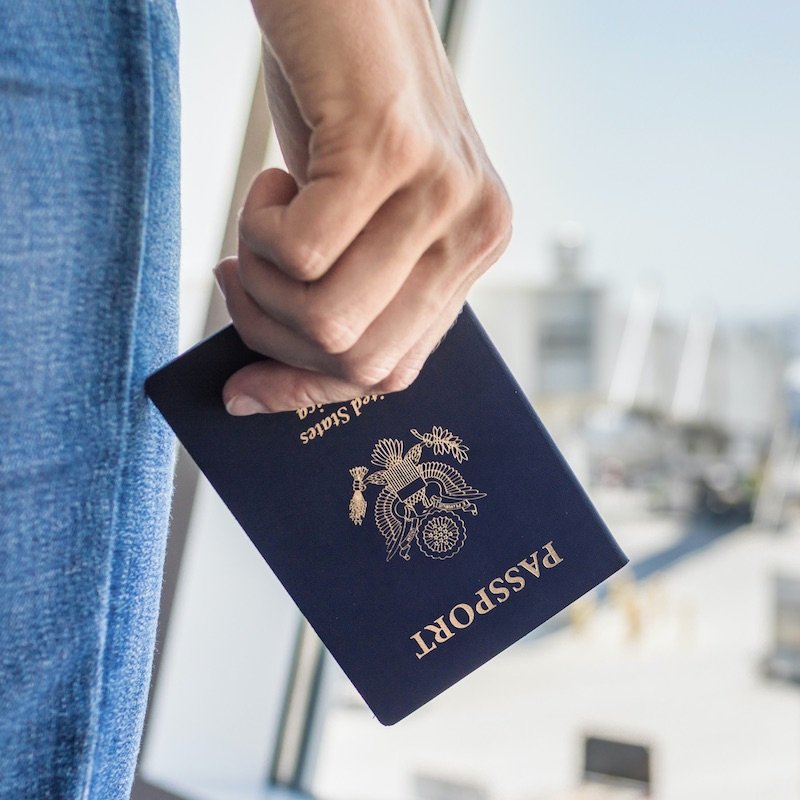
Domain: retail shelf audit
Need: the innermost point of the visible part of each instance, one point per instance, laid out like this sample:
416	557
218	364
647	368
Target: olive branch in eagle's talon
442	441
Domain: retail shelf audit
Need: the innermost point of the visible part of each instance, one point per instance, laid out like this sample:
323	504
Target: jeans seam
141	83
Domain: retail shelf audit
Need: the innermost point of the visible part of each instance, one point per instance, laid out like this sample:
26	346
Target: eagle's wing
450	479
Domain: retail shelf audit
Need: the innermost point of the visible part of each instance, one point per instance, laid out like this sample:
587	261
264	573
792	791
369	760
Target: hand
353	267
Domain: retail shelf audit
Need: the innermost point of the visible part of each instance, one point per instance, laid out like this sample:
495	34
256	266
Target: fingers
272	386
258	331
307	234
429	299
264	335
334	312
387	358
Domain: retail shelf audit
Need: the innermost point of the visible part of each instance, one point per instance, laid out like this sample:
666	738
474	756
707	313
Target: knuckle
294	256
300	260
494	213
365	372
401	377
333	334
451	189
403	147
301	393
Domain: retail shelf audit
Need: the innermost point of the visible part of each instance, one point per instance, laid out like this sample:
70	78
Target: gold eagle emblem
420	501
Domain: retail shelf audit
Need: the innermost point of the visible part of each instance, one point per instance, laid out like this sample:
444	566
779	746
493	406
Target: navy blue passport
420	533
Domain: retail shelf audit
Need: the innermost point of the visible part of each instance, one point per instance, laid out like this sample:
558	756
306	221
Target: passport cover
420	533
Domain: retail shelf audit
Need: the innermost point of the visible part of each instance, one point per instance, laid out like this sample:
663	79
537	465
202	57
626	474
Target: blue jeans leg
88	284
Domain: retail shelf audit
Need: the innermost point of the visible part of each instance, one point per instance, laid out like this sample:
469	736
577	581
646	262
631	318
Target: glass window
647	304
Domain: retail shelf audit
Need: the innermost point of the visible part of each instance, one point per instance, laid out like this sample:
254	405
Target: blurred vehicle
693	468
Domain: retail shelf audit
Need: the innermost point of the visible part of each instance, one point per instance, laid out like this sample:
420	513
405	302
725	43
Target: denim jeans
88	281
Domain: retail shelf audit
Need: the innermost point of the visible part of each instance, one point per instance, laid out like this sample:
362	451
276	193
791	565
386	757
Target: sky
669	131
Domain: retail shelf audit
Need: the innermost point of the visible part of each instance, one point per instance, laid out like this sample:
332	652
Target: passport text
489	597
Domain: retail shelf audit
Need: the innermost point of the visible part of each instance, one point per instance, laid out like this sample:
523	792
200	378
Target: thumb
270	386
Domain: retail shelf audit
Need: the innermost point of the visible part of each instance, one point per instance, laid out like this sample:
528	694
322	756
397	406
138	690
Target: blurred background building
648	306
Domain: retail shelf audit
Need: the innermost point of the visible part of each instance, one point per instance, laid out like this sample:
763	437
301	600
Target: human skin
352	266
